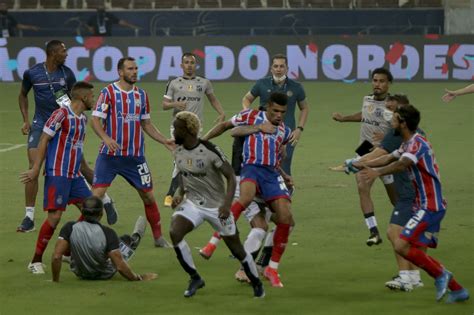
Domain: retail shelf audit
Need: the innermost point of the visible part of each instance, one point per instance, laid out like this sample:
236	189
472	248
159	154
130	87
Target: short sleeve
66	231
145	110
242	118
111	239
209	88
301	95
54	123
70	78
169	92
255	91
103	104
287	135
26	82
391	142
414	150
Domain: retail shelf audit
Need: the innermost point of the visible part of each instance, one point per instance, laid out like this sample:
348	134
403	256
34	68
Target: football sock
250	269
45	234
215	239
453	285
425	262
30	213
106	198
173	186
153	217
254	240
280	239
414	275
183	253
371	222
264	258
237	210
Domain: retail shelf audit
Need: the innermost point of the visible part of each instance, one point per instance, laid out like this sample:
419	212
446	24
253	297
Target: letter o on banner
246	55
101	56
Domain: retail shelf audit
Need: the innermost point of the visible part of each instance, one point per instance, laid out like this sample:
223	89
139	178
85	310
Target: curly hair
192	122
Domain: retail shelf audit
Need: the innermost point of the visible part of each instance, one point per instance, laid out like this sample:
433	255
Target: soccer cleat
241	276
36	268
194	285
258	291
27	225
161	242
138	232
458	296
417	284
374	239
272	275
168	201
441	284
207	251
111	212
397	283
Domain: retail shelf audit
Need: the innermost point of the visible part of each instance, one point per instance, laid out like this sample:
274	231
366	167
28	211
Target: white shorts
253	209
197	215
387	179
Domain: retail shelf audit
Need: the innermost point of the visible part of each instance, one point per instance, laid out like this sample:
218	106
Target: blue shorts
270	184
133	168
59	191
423	227
402	212
34	136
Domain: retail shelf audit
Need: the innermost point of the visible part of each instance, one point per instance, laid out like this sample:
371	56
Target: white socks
254	240
30	213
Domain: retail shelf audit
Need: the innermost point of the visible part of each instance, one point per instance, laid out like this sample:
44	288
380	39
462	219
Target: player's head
92	209
381	80
84	92
406	118
279	66
186	125
188	64
56	51
128	70
393	101
276	107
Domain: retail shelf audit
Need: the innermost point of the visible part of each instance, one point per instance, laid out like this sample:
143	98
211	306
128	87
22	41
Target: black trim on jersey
111	238
168	85
214	148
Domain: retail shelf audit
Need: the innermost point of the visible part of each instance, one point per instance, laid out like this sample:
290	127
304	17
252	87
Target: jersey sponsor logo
194	174
189	98
370	122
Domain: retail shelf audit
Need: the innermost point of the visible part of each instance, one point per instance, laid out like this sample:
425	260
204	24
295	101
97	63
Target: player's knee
54	217
401	247
148	198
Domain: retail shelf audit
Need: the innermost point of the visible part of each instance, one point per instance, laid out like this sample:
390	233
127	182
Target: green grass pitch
327	268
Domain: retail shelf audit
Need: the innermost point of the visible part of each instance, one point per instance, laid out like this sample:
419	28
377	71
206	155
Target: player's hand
224	212
149	276
267	127
288	181
368	174
337	117
111	144
170	145
180	105
449	96
295	137
25	129
219	119
176	201
378	136
29	175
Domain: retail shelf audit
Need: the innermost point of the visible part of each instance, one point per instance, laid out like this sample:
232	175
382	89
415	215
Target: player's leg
367	207
183	222
172	188
105	170
153	216
109	205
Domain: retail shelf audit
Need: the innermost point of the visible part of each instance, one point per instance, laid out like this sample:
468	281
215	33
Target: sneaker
168	201
194	285
161	242
441	284
272	275
37	268
27	225
241	276
397	283
374	239
138	232
258	291
207	251
458	296
111	212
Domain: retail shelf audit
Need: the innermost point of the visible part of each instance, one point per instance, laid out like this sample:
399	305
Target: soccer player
375	125
279	82
451	95
51	82
202	197
97	253
61	143
121	115
417	156
187	93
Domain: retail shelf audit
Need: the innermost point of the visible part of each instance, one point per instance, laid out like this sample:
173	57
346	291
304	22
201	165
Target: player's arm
304	112
27	27
218	129
151	130
179	194
111	144
372	155
242	131
127	24
451	95
357	117
33	173
247	100
377	162
228	172
370	174
217	106
23	103
170	104
122	266
62	247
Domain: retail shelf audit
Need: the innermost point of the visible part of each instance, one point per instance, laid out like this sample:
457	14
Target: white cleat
398	283
36	268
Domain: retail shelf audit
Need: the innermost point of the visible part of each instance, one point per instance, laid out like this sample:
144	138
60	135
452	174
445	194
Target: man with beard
125	113
61	143
375	125
51	82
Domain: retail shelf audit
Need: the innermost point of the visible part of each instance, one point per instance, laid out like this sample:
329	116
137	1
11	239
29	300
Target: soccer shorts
255	206
60	191
197	215
402	212
270	184
34	136
387	179
423	227
133	168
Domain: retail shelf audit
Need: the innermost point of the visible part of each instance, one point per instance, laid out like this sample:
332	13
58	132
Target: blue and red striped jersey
122	112
64	153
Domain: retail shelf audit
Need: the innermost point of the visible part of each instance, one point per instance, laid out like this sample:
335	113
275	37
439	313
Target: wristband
300	128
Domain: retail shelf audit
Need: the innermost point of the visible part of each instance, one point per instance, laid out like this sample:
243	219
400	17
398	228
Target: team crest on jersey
128	101
199	88
62	82
190	87
289	93
200	163
138	103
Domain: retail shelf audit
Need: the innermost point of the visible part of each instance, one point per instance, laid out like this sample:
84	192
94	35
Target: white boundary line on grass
11	147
